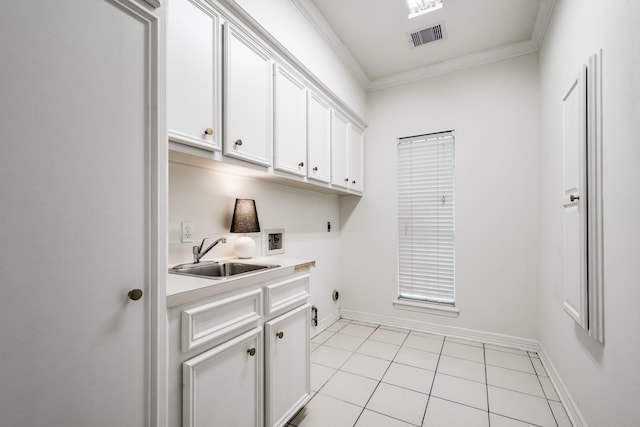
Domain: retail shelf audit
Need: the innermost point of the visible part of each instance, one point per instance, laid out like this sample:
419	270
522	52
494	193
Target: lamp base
244	247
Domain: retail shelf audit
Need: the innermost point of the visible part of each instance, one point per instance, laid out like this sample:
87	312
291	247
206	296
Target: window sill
426	307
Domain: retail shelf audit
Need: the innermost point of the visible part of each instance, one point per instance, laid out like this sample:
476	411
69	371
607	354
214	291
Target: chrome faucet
199	253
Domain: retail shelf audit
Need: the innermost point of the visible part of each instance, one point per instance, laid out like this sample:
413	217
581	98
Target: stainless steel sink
219	270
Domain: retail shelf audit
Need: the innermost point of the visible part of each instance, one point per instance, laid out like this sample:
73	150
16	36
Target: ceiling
370	35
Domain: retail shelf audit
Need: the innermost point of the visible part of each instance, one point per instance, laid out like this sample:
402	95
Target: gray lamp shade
245	217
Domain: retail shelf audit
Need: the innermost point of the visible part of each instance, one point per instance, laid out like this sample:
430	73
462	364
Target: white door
287	365
339	153
319	138
290	123
574	202
247	98
194	74
78	134
223	386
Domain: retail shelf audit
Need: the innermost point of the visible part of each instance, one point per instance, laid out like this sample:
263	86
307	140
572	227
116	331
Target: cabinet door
355	159
287	365
193	74
247	99
319	138
223	386
84	75
339	150
290	119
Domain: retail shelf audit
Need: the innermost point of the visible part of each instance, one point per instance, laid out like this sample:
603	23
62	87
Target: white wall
288	25
207	198
604	380
493	110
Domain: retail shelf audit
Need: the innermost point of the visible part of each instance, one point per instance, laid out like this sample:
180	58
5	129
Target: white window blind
426	217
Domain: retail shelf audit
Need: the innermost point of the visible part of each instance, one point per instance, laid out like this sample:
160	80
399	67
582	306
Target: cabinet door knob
208	131
573	198
238	142
251	352
280	335
353	182
135	294
346	180
315	169
301	164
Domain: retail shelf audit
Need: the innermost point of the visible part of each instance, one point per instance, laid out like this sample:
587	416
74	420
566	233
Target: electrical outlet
187	232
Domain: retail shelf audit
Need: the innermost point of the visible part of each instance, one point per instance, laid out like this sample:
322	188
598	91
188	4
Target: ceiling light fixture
419	7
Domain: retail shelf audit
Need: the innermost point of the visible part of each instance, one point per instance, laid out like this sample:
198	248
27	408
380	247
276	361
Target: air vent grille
426	35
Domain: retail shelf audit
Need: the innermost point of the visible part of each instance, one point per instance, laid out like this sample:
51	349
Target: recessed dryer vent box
274	241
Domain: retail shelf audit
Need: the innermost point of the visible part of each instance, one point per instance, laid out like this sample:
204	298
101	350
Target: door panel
76	213
574	202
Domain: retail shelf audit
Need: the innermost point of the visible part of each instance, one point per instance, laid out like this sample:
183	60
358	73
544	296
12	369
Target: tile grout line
486	383
377	385
433	381
379	381
544	393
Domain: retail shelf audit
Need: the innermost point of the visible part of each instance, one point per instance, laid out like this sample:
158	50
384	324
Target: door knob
301	164
135	294
573	198
315	169
251	351
208	131
238	142
280	335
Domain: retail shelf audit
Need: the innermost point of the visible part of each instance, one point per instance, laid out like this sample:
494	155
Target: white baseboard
450	331
565	397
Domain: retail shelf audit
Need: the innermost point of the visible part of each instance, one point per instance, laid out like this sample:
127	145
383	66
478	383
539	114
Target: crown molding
317	20
545	10
461	63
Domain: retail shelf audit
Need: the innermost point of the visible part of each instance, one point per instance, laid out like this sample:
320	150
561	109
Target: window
426	218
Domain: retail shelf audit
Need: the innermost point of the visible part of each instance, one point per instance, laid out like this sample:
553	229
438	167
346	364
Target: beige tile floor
365	375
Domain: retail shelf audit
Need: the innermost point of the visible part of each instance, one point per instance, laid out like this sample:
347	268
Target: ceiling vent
426	35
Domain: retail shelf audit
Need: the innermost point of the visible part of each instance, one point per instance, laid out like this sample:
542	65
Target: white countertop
183	289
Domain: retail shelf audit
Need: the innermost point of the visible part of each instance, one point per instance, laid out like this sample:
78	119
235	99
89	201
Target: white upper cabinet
355	159
234	93
193	74
290	123
318	138
339	150
247	98
346	154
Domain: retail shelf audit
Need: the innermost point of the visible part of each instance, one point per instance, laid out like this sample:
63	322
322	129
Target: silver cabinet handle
280	335
573	198
251	352
238	142
208	131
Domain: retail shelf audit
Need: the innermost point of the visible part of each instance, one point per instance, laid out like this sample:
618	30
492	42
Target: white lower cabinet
223	386
287	385
242	358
